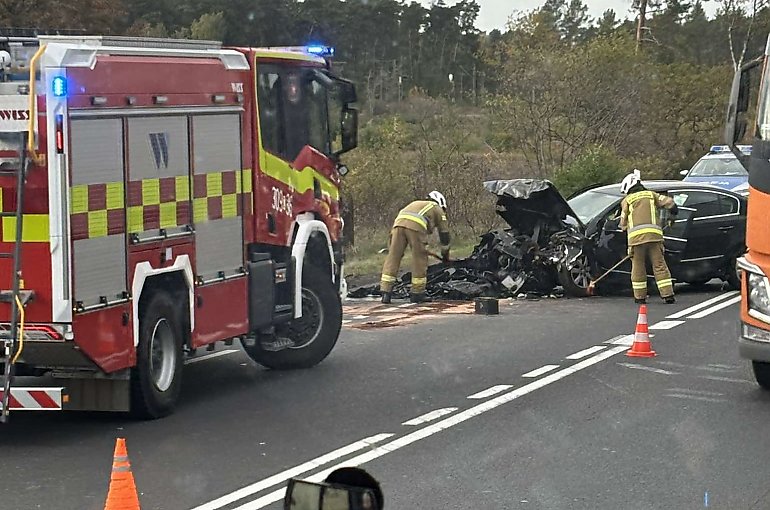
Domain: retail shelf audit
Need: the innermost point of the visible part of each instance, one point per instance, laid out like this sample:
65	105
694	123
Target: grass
362	259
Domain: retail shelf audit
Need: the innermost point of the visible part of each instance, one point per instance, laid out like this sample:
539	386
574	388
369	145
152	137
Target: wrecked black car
702	243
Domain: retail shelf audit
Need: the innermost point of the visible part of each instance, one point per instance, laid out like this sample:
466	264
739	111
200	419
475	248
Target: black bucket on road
487	306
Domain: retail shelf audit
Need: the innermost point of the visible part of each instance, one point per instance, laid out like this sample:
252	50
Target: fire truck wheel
314	334
157	377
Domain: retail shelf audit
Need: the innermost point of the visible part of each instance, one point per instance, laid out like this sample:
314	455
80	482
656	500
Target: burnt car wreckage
548	250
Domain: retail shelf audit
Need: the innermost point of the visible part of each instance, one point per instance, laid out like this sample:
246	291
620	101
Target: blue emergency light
716	149
320	50
59	86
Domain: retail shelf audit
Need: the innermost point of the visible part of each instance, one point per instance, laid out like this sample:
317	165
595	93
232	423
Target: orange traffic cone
122	494
641	347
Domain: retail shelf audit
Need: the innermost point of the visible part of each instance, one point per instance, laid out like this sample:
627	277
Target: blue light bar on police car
716	149
320	50
746	149
59	86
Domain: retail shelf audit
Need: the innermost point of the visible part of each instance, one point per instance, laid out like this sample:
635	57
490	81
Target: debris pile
503	264
535	256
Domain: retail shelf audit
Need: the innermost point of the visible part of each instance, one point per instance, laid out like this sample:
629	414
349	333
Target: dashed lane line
540	371
704	304
428	417
586	352
494	390
716	308
666	324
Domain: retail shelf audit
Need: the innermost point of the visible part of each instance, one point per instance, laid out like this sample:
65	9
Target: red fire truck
156	197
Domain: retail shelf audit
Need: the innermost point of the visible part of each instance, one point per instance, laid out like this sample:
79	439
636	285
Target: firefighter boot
419	298
640	301
386	297
669	300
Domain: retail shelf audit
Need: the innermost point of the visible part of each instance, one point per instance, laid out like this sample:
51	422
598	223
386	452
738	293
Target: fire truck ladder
17	297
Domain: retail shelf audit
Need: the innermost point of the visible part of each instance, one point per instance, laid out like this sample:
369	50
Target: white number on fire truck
237	87
282	201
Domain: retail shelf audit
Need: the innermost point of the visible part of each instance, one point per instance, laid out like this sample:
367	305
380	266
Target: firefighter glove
674	210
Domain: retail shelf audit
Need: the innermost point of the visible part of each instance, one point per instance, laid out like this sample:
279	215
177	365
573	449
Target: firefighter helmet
438	198
629	181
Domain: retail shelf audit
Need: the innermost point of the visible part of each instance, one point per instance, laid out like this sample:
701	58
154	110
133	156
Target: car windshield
591	203
708	167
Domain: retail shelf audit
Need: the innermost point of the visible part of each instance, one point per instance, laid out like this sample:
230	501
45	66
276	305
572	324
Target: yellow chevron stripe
301	180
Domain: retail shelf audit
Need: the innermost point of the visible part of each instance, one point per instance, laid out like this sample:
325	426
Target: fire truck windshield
293	110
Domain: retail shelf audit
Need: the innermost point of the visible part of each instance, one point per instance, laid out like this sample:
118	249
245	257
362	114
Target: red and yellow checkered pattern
99	209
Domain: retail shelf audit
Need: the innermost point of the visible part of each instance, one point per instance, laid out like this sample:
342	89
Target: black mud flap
261	291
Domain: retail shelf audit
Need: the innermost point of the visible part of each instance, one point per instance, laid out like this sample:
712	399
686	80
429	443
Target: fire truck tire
156	380
314	334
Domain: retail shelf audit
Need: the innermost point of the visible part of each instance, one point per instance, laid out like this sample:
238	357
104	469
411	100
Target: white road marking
360	317
694	397
494	390
444	424
346	321
292	472
621	340
695	392
647	369
586	352
433	415
209	356
710	368
406	305
390	309
627	340
716	308
726	379
540	371
704	304
666	324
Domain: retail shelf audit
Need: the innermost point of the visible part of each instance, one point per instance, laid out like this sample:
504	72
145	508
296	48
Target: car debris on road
531	257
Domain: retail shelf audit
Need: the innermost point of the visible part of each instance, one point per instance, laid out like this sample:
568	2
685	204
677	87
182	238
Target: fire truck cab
156	197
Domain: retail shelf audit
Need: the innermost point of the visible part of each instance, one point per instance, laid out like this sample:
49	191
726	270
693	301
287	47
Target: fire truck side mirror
349	129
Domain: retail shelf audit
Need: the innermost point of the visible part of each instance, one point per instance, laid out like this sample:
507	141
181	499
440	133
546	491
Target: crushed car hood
526	203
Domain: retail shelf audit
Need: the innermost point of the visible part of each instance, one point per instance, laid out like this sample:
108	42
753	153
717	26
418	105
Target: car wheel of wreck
576	278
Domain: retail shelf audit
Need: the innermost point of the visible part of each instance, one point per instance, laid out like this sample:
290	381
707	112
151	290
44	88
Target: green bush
595	166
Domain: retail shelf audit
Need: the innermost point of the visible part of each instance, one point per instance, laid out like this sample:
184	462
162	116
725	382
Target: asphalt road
559	417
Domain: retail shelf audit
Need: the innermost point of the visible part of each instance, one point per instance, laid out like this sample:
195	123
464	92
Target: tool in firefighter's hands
592	286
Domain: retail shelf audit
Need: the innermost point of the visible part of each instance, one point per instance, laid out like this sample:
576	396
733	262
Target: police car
720	168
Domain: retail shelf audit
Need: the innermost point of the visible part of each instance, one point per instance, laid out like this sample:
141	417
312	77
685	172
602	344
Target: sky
495	13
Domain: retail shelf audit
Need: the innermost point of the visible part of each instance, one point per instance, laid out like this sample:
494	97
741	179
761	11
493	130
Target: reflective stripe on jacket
422	216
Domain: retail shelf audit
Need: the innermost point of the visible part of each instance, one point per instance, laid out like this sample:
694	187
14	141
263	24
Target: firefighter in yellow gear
639	216
412	226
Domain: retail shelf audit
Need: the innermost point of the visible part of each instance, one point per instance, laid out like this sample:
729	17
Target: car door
611	243
714	217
